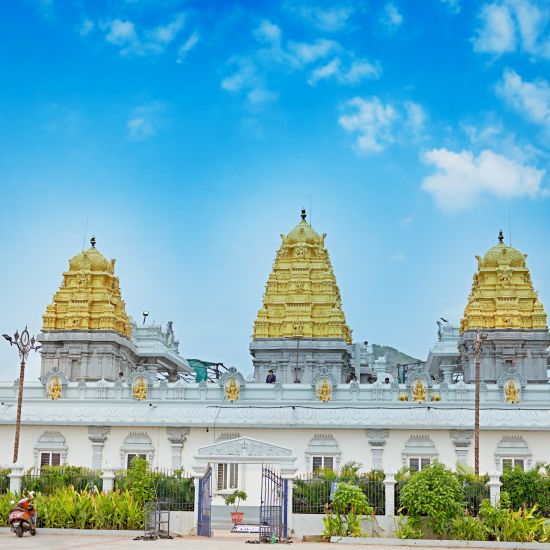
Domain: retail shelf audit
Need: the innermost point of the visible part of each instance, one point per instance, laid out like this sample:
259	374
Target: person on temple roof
270	378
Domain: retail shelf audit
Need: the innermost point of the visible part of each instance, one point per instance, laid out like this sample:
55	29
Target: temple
301	325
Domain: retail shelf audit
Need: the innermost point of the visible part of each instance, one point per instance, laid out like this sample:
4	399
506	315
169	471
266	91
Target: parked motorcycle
23	516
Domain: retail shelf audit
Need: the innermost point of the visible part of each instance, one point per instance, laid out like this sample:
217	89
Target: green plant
408	528
467	528
348	507
528	488
435	493
139	481
235	498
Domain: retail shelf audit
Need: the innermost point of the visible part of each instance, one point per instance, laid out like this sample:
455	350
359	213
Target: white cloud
245	79
86	27
462	178
377	125
513	25
187	46
268	32
123	33
145	121
531	99
358	70
391	17
453	5
330	19
309	52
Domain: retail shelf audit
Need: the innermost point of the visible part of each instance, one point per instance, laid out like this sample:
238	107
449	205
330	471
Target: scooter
23	518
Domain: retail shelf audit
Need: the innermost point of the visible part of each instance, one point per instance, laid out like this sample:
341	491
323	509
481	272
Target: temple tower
301	325
86	333
505	308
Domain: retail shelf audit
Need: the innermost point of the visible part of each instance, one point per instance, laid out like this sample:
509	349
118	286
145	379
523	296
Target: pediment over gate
244	447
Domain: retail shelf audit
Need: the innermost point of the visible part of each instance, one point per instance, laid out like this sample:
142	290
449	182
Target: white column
176	437
16	479
377	440
389	490
196	481
461	441
97	435
108	479
494	487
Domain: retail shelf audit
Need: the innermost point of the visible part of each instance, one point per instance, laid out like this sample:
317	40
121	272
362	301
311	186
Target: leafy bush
348	507
467	528
474	487
51	478
408	528
528	488
435	493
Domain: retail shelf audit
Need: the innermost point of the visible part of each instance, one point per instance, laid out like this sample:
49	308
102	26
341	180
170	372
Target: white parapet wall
181	523
309	525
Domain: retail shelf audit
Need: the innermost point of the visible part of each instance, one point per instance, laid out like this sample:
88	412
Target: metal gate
273	506
204	527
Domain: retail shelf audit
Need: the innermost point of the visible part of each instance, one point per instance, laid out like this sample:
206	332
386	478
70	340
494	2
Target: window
512	463
228	476
323	462
131	456
418	463
50	459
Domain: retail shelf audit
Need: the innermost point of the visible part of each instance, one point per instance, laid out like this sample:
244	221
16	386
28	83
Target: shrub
408	528
467	528
51	478
435	493
348	507
528	488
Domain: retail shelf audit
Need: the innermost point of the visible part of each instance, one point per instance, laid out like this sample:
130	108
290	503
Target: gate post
16	479
197	505
389	493
494	488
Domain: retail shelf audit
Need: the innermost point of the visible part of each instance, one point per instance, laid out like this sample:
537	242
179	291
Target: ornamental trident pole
25	344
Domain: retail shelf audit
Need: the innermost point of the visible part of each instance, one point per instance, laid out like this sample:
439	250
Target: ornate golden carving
324	391
511	392
403	397
435	397
54	388
89	297
139	389
418	391
232	389
302	298
502	294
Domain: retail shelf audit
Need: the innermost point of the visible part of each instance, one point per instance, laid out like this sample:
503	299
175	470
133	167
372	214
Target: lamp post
477	349
25	344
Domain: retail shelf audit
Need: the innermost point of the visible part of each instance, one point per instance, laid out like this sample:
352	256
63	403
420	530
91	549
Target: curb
88	532
412	543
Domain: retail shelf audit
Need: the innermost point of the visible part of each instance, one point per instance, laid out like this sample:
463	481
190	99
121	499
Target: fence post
289	508
494	488
196	505
108	479
16	479
389	490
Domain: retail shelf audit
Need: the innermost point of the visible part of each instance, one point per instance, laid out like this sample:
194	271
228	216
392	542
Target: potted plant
234	499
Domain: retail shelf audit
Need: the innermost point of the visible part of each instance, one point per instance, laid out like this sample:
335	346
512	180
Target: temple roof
502	294
89	297
302	298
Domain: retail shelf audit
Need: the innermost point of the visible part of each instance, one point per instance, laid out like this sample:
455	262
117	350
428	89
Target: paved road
226	542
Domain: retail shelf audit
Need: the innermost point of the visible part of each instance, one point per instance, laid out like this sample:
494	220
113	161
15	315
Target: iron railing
48	479
311	494
4	481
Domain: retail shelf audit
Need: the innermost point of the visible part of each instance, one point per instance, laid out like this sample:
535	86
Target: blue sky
190	135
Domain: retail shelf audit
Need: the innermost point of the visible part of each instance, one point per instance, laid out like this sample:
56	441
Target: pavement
223	541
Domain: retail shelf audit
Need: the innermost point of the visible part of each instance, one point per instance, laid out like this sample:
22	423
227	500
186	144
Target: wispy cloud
377	125
330	19
507	26
145	121
462	178
351	73
453	5
531	99
123	33
187	46
391	17
245	79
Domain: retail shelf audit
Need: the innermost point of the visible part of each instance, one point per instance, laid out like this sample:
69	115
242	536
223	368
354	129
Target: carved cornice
377	438
98	434
176	436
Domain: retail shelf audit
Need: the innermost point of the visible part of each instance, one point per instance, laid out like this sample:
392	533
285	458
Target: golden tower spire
502	294
89	297
302	298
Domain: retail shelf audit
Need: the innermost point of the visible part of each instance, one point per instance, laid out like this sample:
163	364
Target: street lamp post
477	349
25	344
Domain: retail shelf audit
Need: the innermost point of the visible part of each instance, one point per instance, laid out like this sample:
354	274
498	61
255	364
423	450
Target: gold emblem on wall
511	392
324	390
418	391
54	388
139	389
232	389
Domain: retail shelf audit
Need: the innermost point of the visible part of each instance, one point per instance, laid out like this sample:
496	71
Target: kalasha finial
304	214
92	242
500	237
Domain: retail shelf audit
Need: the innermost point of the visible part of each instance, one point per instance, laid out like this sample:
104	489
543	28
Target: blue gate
273	506
204	527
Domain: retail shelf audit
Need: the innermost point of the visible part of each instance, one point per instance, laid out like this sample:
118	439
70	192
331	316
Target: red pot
237	517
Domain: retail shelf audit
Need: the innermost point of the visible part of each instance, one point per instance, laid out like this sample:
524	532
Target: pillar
494	488
448	373
377	440
97	435
108	479
176	437
16	479
461	441
389	491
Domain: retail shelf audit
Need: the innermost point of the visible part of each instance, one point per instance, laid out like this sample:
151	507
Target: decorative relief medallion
324	390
